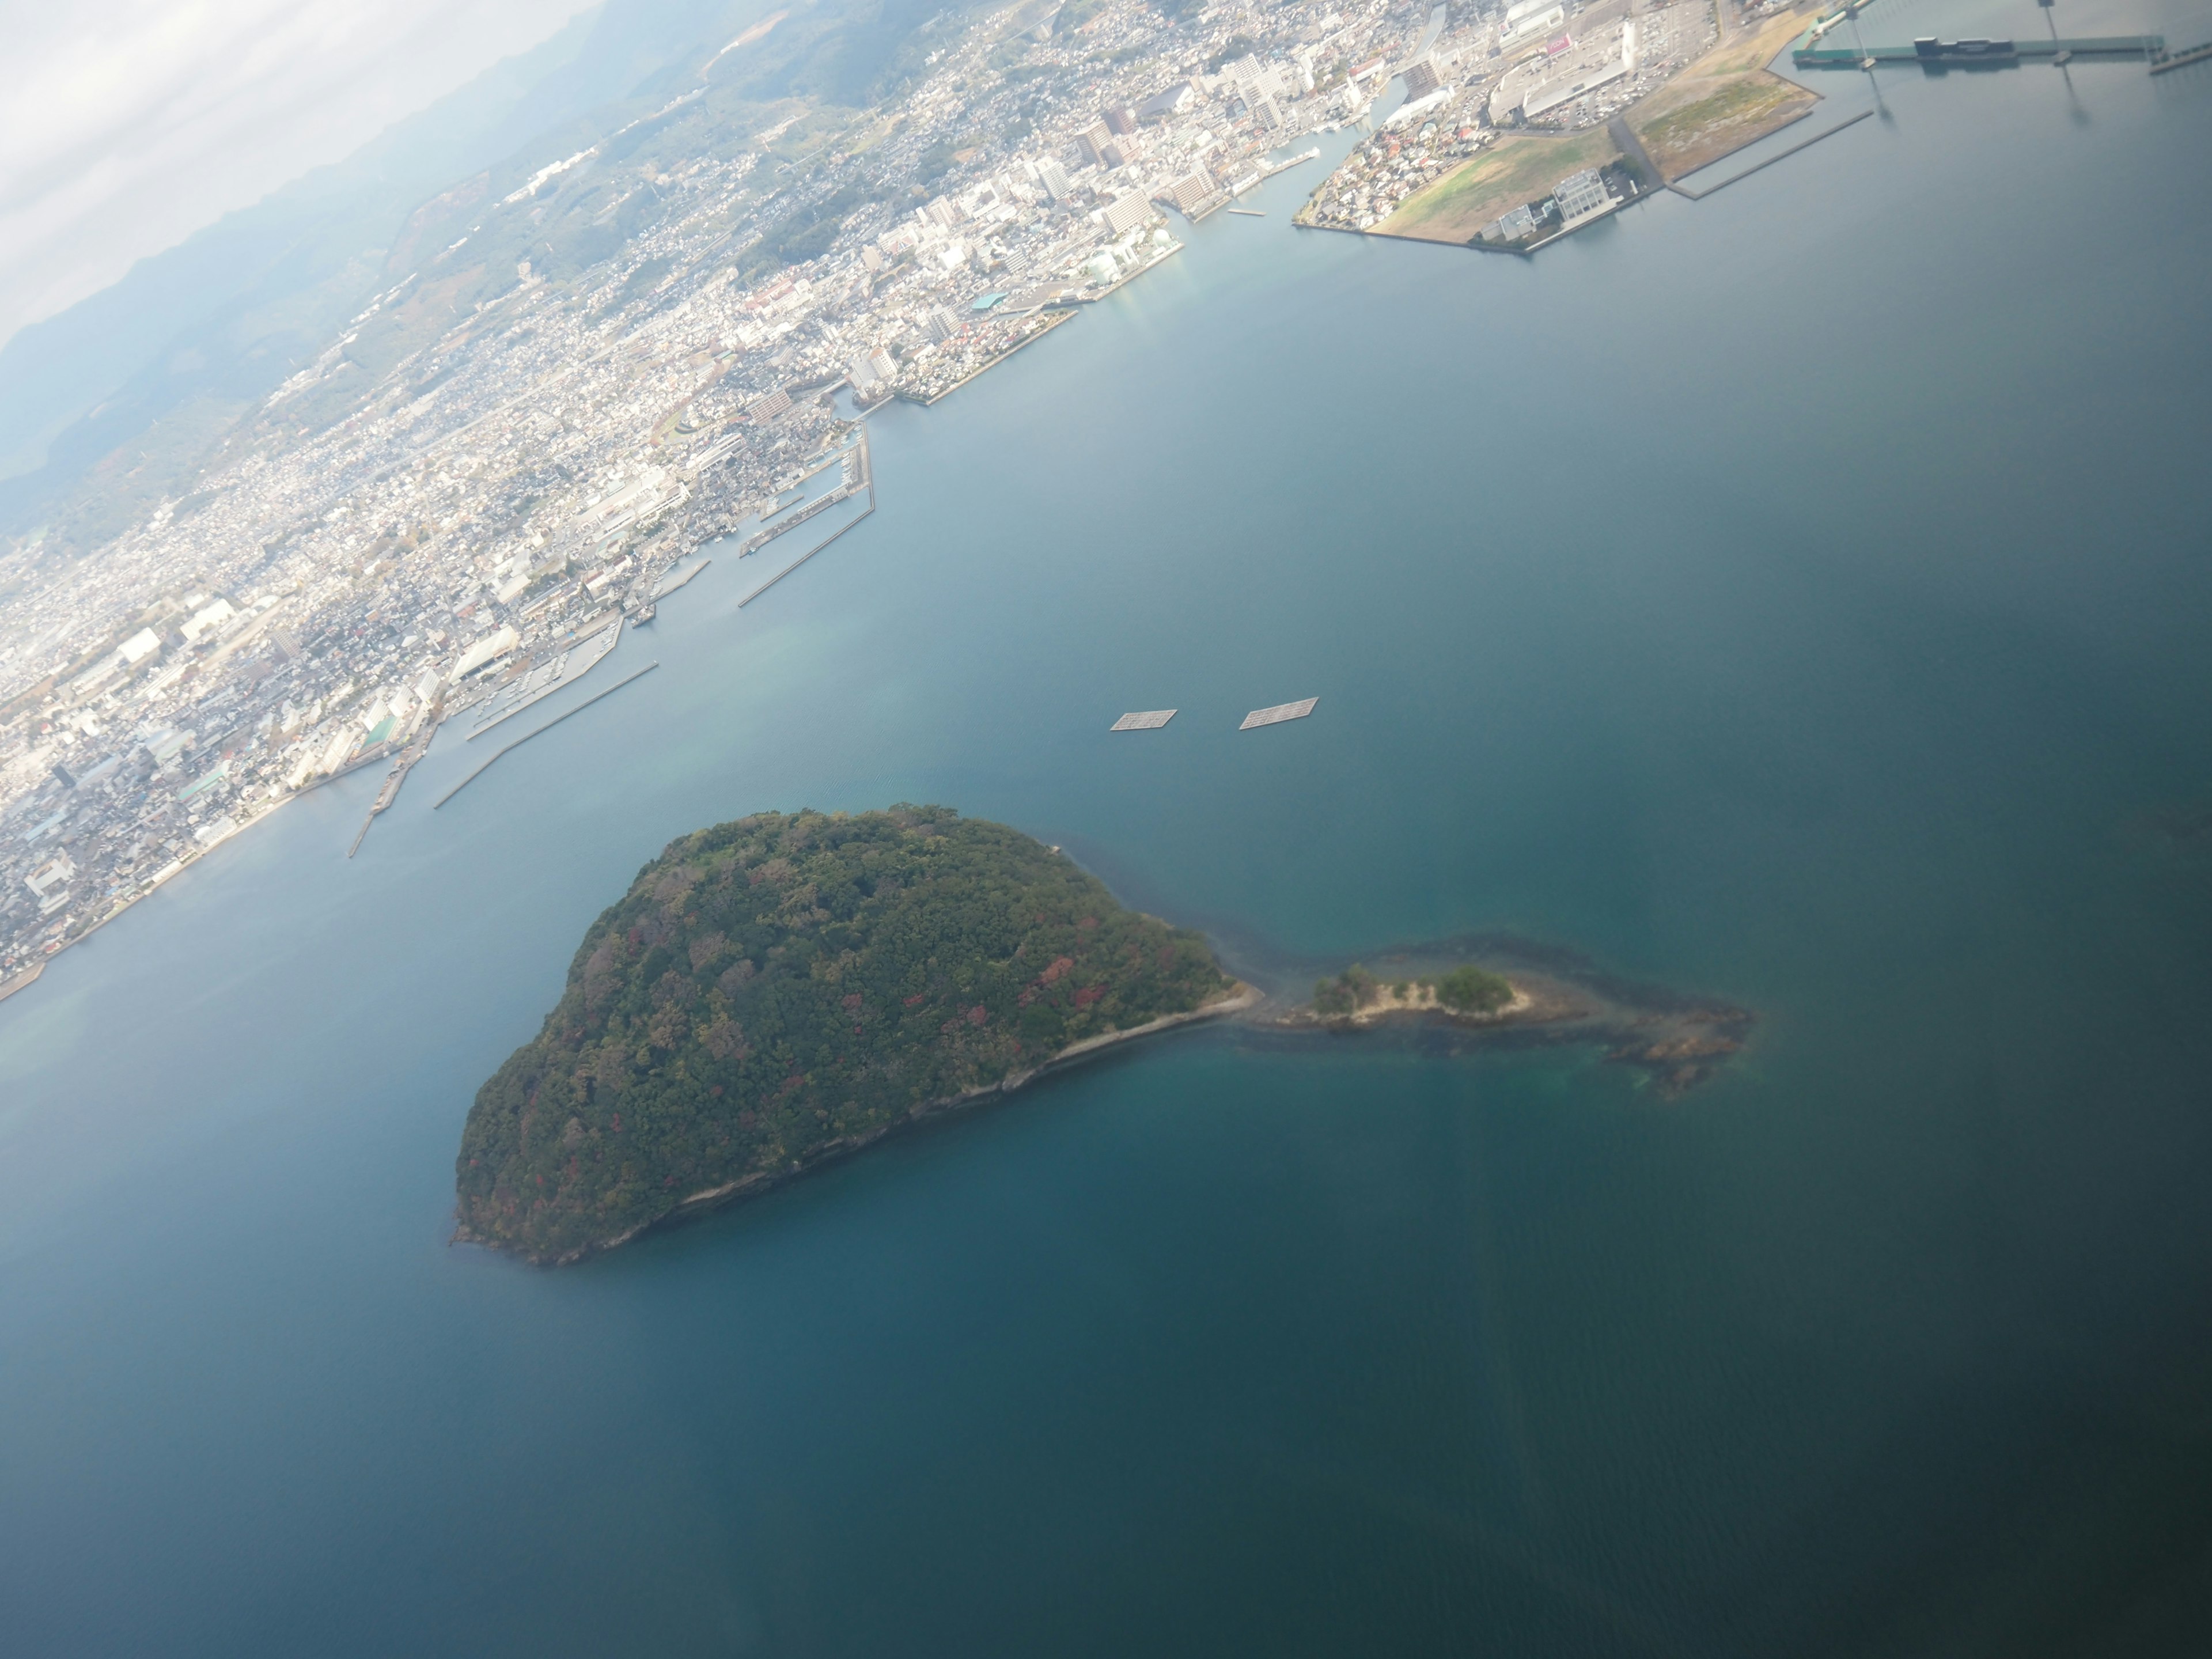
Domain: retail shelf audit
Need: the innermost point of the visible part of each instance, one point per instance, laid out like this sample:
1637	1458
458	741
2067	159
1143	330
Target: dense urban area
584	366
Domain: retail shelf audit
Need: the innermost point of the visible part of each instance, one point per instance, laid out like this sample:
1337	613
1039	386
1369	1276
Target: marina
854	458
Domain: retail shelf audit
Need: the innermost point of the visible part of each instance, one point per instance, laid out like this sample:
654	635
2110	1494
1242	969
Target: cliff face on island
774	990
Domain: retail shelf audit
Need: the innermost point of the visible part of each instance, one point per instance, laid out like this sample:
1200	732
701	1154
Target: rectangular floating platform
1279	713
1151	721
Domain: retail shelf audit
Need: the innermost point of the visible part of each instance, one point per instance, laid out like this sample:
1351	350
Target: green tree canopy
771	988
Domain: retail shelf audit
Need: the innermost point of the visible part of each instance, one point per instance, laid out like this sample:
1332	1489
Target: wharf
542	682
1048	325
799	512
20	981
1698	195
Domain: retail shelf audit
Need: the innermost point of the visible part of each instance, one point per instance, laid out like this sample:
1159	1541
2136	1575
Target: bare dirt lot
1514	171
1726	100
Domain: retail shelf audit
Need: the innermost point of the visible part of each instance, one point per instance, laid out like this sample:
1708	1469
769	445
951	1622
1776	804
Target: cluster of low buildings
319	597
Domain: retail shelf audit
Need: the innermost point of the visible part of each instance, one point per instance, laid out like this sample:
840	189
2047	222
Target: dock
509	749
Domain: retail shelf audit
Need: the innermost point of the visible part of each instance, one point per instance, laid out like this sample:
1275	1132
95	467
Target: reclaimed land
1512	171
1728	99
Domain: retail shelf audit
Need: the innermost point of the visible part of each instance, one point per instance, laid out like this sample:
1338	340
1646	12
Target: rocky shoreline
1239	998
1676	1040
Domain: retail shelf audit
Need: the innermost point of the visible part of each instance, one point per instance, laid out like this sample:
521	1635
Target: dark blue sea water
1799	597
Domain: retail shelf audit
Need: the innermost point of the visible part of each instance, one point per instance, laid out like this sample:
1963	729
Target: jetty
867	481
395	778
510	748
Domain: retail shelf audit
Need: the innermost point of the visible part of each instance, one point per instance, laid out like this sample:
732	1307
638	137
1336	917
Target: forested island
780	989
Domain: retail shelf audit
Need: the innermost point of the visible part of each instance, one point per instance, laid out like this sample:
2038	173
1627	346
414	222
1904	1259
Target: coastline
1239	998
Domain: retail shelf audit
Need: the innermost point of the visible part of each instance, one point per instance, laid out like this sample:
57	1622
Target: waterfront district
577	368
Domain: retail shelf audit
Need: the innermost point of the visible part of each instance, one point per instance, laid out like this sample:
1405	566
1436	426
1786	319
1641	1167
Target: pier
394	779
1939	55
1278	714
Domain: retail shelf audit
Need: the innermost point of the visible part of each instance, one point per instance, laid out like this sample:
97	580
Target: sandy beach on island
1419	998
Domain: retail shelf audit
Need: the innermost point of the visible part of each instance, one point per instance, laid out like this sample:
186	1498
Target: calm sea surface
1801	596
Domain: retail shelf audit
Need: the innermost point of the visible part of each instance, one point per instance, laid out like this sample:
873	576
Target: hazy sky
129	124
